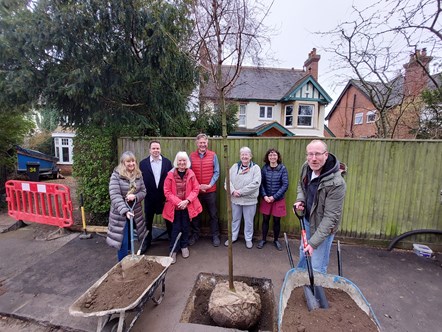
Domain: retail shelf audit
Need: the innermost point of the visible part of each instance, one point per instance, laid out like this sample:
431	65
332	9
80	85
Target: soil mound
119	290
343	315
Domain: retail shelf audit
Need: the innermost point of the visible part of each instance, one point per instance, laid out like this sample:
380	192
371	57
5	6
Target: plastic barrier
45	203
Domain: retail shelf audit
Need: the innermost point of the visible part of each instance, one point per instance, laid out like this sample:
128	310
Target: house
64	148
275	101
355	115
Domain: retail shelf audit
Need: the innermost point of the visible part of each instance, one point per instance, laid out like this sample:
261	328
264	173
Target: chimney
311	64
416	70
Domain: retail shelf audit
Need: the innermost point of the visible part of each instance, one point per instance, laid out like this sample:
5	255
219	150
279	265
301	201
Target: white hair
245	149
181	154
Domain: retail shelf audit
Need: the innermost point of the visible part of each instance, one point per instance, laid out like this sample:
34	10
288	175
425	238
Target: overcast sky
295	22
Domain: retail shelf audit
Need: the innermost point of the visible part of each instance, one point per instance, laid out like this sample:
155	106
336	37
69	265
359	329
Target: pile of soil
196	311
122	288
342	315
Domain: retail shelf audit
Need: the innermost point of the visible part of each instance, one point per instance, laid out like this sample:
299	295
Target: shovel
84	234
339	259
314	295
127	263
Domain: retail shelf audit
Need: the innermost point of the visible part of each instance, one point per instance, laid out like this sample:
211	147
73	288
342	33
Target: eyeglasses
316	154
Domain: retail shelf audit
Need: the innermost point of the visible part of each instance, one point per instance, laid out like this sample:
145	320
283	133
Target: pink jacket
192	190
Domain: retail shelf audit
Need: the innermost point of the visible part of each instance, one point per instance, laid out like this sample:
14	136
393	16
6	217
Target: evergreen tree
100	62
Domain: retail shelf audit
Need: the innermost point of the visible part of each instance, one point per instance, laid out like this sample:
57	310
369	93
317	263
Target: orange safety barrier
45	203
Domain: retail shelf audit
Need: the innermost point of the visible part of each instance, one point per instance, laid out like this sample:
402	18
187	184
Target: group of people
180	190
177	190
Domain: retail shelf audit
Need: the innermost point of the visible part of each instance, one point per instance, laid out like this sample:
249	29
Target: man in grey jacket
321	192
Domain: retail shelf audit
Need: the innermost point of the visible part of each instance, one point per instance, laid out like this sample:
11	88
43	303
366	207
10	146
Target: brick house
274	101
355	115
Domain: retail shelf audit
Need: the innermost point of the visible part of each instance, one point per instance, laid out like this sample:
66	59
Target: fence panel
393	186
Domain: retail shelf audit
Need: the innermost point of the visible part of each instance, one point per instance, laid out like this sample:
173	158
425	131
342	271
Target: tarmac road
12	324
40	279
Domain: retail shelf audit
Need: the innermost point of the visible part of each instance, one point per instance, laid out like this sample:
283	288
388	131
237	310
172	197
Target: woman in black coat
274	184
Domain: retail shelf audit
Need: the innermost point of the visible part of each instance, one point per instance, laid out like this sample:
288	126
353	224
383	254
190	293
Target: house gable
355	115
291	97
344	119
307	90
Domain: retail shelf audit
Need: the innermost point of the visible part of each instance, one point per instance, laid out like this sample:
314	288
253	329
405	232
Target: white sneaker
173	258
185	252
249	244
227	242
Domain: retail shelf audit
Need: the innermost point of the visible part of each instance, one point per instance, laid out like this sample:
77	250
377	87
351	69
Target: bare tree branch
375	45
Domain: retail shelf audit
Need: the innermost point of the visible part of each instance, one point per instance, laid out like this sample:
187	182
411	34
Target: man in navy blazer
154	168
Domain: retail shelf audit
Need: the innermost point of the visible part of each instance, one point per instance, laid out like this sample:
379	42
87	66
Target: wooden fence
392	186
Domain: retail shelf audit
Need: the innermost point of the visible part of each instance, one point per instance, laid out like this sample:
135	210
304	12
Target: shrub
95	156
42	142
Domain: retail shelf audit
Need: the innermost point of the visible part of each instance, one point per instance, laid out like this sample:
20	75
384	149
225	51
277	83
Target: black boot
261	244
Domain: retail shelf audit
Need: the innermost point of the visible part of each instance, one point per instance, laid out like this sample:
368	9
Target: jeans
180	223
321	255
208	201
125	244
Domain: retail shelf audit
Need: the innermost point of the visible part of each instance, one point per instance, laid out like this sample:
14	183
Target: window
64	150
305	115
289	116
242	116
265	112
359	118
371	117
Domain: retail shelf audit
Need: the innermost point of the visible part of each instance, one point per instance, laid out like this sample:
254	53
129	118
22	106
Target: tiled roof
258	83
438	78
380	90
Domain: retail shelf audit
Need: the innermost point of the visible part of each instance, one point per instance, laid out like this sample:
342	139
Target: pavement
42	273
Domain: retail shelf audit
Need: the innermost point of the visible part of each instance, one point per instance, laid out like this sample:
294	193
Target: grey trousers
248	212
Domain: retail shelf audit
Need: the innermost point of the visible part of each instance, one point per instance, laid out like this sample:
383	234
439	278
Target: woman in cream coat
245	179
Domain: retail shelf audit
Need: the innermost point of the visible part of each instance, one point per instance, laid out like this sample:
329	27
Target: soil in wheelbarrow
119	290
342	315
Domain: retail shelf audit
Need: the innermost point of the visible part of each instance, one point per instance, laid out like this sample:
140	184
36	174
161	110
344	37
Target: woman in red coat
181	189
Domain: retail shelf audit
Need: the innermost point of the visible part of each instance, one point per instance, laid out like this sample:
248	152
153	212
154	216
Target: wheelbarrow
114	319
299	277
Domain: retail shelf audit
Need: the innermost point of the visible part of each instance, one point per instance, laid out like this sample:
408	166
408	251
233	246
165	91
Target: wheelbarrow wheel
112	325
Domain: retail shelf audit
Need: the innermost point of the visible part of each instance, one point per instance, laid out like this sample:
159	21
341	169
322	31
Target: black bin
33	171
